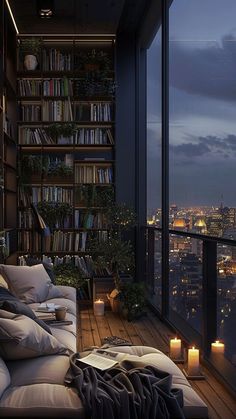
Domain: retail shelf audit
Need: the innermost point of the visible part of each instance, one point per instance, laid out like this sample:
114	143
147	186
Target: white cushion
28	283
5	378
21	337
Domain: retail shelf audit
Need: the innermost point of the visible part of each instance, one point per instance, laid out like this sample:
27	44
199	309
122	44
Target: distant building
215	223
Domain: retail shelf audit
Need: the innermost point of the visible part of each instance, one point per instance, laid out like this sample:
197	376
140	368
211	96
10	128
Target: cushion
22	338
49	269
41	401
49	369
3	282
5	378
17	307
29	283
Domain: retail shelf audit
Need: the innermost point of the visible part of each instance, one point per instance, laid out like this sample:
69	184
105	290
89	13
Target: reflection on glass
186	279
153	268
226	301
154	131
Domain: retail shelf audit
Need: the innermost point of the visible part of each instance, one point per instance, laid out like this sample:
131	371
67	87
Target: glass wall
154	131
226	299
186	280
202	116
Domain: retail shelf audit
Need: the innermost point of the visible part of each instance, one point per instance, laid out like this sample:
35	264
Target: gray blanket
125	391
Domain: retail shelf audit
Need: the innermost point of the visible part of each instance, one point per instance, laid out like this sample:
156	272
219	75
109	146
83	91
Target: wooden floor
150	331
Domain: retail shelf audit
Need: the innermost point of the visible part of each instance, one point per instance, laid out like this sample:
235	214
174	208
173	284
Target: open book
102	359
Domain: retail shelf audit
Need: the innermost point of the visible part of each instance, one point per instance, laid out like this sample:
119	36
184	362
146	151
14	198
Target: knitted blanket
127	391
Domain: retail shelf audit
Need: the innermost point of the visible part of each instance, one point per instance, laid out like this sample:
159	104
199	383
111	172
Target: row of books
87	136
26	219
56	60
93	174
100	112
86	219
84	263
29	87
94	112
47	193
57	87
68	242
29	241
31	113
93	136
57	110
34	136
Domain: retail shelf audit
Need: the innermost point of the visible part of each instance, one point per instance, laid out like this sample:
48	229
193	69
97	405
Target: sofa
33	368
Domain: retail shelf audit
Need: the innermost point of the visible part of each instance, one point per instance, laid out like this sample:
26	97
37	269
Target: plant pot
30	62
91	67
114	301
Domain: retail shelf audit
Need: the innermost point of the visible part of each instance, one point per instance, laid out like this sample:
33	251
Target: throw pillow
22	338
31	284
17	307
5	378
33	261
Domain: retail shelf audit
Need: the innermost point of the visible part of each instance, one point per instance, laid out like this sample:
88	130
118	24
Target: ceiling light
45	8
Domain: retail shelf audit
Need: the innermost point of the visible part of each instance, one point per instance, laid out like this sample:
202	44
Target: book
102	359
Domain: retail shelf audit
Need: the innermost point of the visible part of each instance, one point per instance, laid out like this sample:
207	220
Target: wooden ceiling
80	16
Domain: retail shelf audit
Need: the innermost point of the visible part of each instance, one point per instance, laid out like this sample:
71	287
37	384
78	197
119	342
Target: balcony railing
198	293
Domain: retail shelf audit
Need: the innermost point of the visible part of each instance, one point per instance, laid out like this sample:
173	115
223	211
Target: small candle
175	348
193	361
98	308
217	347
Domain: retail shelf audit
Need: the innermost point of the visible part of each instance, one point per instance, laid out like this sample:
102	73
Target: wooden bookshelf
47	96
8	152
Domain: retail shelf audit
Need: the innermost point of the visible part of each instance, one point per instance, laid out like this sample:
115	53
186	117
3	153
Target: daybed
33	363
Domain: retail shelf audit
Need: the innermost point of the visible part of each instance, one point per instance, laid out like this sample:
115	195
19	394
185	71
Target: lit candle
98	308
175	348
193	361
217	347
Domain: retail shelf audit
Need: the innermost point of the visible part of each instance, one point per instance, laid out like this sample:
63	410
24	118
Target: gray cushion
41	400
5	378
29	283
22	338
49	369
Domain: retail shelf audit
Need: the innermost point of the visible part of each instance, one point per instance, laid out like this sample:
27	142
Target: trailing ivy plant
61	130
68	274
54	213
59	169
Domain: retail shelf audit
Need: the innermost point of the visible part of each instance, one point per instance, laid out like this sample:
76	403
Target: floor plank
150	331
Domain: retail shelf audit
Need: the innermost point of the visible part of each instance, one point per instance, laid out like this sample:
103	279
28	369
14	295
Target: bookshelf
72	88
8	152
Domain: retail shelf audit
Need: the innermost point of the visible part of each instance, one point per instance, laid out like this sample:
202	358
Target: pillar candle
217	347
175	348
98	308
193	361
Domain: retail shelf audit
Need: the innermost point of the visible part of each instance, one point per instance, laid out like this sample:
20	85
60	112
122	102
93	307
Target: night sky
202	105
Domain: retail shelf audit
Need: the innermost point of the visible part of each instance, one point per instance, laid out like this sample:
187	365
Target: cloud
210	146
208	71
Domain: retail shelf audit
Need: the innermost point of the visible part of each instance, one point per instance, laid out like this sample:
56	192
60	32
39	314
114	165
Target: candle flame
193	347
217	342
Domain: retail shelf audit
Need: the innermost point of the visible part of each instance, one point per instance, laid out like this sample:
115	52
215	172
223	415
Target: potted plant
68	274
54	213
30	48
115	255
94	61
133	300
32	165
61	133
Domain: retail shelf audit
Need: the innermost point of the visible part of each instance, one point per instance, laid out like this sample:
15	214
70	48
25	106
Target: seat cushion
49	369
68	292
194	407
41	400
5	378
22	338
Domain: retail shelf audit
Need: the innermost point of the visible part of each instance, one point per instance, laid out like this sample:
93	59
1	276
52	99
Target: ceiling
80	16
